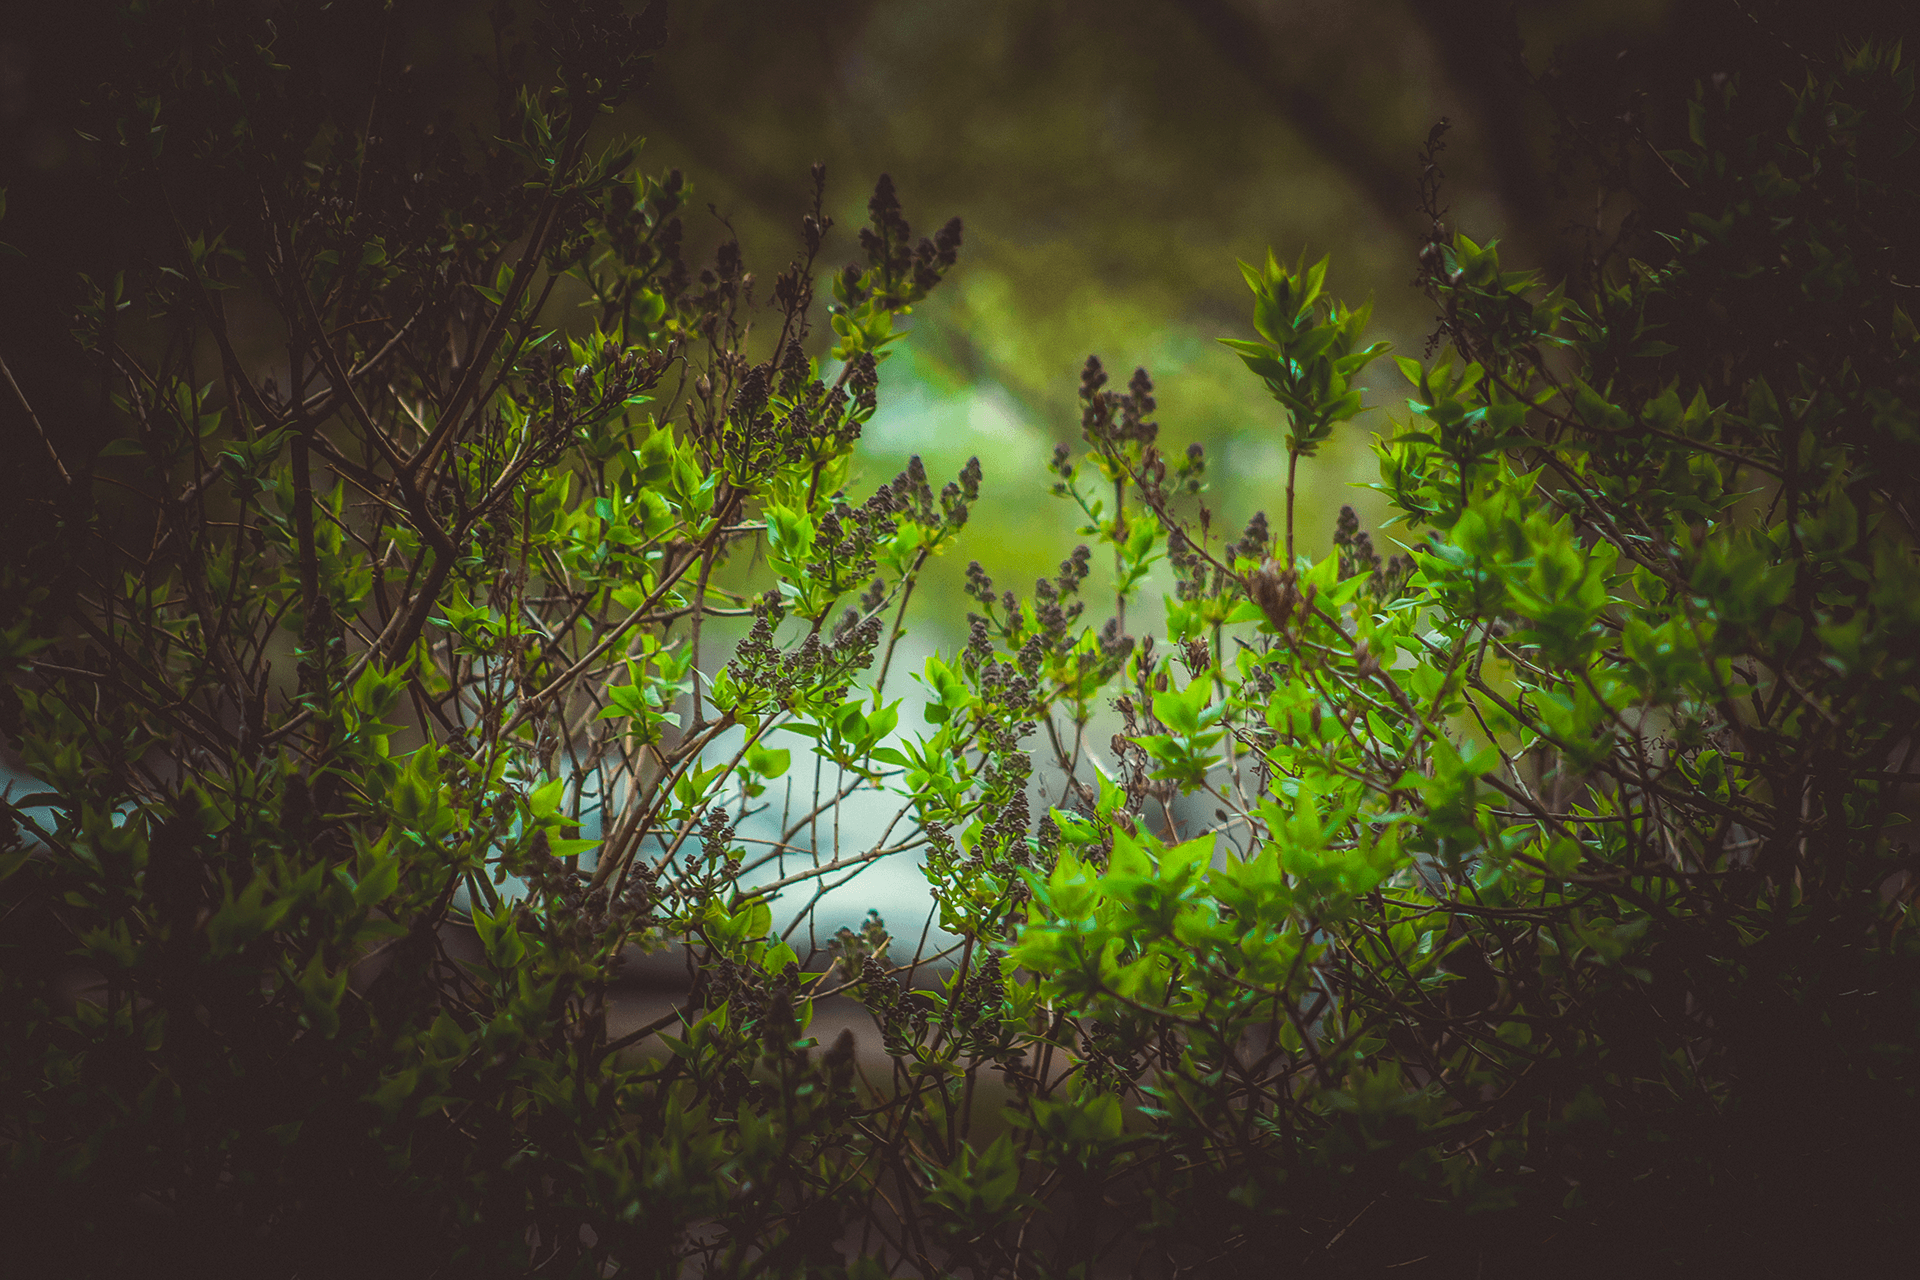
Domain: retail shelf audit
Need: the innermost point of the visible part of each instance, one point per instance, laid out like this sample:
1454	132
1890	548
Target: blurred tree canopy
1110	161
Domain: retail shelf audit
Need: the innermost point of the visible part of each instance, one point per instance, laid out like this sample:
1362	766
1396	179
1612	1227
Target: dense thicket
466	565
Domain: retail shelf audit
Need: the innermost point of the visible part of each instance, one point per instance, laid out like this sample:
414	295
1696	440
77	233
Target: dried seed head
1273	589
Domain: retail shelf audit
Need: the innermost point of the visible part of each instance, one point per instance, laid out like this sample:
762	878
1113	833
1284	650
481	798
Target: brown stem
1293	462
39	430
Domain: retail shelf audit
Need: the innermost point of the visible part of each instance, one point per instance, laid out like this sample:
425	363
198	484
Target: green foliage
1494	884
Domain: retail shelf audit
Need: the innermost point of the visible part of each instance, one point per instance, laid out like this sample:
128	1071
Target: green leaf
544	802
378	882
767	762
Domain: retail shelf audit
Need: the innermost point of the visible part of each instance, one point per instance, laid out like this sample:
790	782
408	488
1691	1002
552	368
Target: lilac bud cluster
1385	579
902	1014
1115	418
1254	541
899	272
763	670
978	1005
583	920
850	949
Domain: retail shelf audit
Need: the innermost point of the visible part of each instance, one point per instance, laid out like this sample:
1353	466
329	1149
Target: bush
1532	897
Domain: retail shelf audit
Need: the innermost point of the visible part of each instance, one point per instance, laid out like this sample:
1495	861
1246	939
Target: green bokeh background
1111	161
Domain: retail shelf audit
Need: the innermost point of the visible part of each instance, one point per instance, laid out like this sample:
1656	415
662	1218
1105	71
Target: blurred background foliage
1110	161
